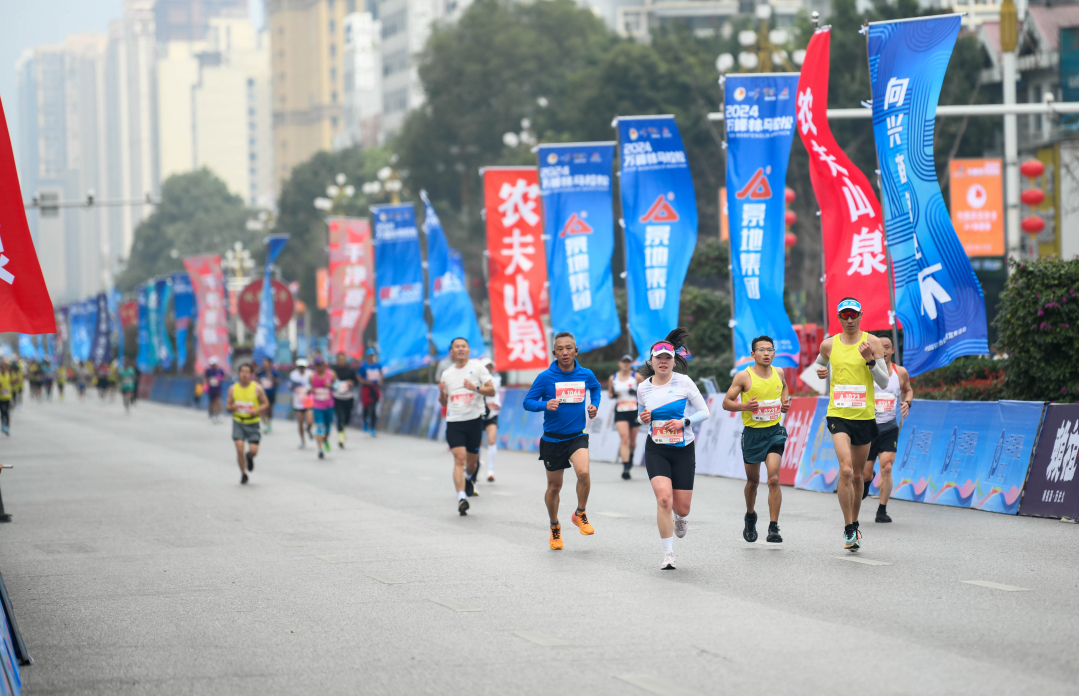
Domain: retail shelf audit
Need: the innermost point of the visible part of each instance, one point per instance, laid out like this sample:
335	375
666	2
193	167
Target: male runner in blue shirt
559	393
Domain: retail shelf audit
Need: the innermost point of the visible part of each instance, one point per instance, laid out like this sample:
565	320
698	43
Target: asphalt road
137	564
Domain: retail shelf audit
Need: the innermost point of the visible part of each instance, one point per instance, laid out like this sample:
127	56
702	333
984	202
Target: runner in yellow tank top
853	362
6	394
760	393
246	401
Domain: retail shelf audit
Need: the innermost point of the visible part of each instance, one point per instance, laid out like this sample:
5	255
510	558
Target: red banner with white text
24	300
855	263
351	274
212	328
517	265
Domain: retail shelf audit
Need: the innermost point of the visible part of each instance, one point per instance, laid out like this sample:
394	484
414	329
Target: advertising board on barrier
818	468
603	437
1052	488
719	442
797	422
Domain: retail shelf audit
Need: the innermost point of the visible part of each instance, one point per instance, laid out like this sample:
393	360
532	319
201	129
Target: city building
363	82
189	20
637	21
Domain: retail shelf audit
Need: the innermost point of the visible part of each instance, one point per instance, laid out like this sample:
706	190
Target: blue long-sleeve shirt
571	419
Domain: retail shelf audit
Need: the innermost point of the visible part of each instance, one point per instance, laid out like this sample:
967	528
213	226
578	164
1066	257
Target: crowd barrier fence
961	454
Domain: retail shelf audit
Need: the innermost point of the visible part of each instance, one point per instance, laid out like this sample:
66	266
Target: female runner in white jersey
623	390
668	453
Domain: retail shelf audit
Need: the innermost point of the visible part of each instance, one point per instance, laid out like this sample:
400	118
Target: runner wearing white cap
215	378
302	403
623	390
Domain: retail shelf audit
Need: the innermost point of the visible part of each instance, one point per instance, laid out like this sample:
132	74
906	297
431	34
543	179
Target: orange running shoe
556	537
581	520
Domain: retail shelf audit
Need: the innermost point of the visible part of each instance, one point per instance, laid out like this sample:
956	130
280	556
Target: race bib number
267	383
342	387
885	403
623	406
462	400
322	393
214	381
569	392
768	410
245	409
5	392
849	396
661	438
308	402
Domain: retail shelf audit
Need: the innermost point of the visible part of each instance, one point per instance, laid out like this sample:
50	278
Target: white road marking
335	559
996	586
616	515
654	685
540	638
454	604
863	561
386	579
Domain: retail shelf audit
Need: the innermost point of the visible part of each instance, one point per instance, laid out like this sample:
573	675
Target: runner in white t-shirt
300	384
490	420
890	401
623	390
461	390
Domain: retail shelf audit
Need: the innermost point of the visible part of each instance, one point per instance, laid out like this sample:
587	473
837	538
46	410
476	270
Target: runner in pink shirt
322	398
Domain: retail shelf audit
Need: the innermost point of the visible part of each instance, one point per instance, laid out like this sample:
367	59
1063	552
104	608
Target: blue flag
402	329
74	317
938	300
659	212
575	181
451	307
101	350
89	328
183	306
759	115
266	334
26	347
162	348
115	297
147	357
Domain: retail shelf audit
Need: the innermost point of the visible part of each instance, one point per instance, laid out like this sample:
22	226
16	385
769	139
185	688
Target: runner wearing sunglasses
668	452
760	393
854	364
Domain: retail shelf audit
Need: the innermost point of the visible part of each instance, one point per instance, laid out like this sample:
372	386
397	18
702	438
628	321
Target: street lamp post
239	262
764	48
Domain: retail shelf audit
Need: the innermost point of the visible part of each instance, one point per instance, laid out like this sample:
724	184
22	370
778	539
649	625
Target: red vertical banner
212	328
517	265
855	262
24	300
352	284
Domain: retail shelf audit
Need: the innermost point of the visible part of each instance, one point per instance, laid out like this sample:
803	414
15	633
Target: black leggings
343	409
370	415
5	417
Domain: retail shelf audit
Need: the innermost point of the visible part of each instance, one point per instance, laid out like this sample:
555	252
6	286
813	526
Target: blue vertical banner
402	329
452	312
939	300
575	182
74	317
115	298
183	306
101	350
26	347
266	334
147	356
89	329
759	114
659	216
162	291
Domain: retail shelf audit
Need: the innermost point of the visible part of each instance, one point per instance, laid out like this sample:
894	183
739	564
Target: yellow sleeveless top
5	387
767	392
247	403
851	389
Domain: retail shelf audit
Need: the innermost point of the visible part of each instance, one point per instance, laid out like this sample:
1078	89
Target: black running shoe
865	490
250	462
626	468
750	532
882	516
321	455
470	487
462	507
243	478
626	476
773	534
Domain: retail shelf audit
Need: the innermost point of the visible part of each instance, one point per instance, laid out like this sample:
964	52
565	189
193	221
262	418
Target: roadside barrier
12	649
1052	488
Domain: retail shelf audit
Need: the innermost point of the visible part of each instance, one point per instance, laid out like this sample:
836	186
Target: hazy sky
28	23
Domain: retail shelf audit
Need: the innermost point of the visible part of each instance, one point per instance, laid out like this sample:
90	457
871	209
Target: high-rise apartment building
189	20
307	40
363	81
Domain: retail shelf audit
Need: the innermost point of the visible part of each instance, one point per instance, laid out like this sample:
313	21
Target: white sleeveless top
623	400
887	400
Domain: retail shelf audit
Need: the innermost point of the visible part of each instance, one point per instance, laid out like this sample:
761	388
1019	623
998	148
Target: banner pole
730	239
622	224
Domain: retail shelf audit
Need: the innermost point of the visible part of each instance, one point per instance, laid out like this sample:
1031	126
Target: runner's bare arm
906	389
230	405
442	398
610	386
738	385
264	403
487	389
785	396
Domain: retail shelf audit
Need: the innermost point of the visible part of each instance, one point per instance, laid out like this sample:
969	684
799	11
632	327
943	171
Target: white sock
668	544
492	450
461	495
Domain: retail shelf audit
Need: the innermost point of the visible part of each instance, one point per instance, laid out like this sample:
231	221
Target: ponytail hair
676	338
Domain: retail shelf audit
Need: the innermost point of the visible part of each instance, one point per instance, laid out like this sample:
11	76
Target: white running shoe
668	561
681	524
302	444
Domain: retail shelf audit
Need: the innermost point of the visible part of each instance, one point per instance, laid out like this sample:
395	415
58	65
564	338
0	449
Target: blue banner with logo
183	306
575	180
162	348
74	319
89	311
266	334
147	357
402	329
938	299
101	350
115	298
758	112
451	307
659	215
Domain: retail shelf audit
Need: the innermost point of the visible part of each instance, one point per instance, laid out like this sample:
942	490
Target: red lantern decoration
789	195
1032	225
1032	168
1032	196
791	217
790	240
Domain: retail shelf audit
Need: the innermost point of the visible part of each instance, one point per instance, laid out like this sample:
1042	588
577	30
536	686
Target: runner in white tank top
891	401
623	390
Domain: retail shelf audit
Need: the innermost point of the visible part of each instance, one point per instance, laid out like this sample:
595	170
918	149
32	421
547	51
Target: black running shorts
465	434
626	417
885	441
490	420
861	432
555	455
676	463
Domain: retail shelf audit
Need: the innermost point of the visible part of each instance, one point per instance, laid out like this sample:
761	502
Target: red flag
212	329
517	265
24	300
352	284
855	264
